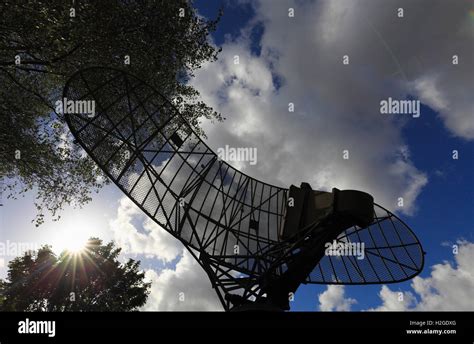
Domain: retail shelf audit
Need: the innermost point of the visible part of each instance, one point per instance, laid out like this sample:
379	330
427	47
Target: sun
72	244
75	246
73	236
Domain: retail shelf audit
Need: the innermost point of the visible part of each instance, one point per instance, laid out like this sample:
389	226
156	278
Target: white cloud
333	299
153	241
448	288
457	112
186	288
186	277
394	300
419	47
336	106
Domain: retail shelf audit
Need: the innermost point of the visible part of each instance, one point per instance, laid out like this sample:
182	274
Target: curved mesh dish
386	251
146	147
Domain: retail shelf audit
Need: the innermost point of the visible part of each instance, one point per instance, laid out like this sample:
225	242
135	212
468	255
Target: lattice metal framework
228	220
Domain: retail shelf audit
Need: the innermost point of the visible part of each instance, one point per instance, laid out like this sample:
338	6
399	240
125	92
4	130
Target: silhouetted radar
257	242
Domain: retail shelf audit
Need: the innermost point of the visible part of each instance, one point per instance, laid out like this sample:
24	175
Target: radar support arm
347	208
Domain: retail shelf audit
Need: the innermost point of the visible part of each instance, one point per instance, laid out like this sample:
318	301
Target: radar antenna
257	242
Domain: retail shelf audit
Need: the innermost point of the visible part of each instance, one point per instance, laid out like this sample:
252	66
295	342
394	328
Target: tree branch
28	90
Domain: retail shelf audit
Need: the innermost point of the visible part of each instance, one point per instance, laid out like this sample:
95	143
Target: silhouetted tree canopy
44	42
90	280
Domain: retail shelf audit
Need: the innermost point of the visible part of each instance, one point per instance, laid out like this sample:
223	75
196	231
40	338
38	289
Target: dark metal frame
175	168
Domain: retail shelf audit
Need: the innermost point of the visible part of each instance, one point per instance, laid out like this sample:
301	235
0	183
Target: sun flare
75	246
74	237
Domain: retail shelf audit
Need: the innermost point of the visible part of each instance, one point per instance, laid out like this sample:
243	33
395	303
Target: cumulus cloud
450	287
137	234
336	106
185	288
333	299
394	300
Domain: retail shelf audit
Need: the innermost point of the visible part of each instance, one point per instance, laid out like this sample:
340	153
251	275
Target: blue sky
438	189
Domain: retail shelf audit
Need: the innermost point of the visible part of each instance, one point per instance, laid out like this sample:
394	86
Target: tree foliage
90	280
44	42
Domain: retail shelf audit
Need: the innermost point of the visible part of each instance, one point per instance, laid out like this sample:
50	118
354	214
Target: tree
90	280
42	43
